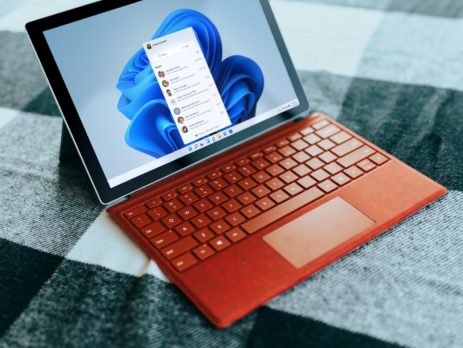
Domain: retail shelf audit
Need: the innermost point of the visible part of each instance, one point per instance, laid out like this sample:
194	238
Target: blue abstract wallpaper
152	129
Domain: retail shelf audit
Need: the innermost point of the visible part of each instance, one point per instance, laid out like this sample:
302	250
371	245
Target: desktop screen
156	80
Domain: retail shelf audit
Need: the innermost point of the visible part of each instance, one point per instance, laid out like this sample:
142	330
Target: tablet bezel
105	193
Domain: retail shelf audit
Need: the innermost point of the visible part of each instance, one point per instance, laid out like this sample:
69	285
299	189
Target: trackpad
317	232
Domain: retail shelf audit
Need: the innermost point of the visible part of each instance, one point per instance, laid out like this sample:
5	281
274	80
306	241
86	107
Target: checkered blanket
391	70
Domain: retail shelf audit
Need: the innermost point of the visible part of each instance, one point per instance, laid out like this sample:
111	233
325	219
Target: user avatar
185	129
181	120
177	111
169	93
148	46
161	74
165	83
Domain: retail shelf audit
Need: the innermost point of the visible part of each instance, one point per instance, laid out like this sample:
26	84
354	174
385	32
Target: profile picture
173	102
169	92
161	74
148	46
181	120
185	129
165	83
177	111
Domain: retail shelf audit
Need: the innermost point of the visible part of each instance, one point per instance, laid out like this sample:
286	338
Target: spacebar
281	210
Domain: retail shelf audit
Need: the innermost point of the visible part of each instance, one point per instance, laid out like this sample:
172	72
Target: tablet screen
154	81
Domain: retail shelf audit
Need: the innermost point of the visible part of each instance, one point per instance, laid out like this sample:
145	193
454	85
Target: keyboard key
261	177
233	177
265	203
274	184
341	179
242	161
293	189
246	170
327	157
219	227
260	164
169	195
228	168
301	170
157	213
299	145
275	170
246	198
164	239
288	163
219	243
218	198
328	131
185	229
287	151
347	147
261	191
178	248
279	196
282	210
378	159
294	137
306	182
185	188
320	175
301	157
312	139
256	155
232	205
171	220
233	190
203	235
153	202
200	221
135	211
366	165
199	181
203	252
173	205
216	213
288	177
236	234
204	191
141	221
203	205
314	150
247	184
281	143
274	157
355	156
333	168
189	198
354	172
326	144
315	163
307	131
320	124
269	149
218	184
184	262
235	219
327	186
153	229
250	211
214	174
340	137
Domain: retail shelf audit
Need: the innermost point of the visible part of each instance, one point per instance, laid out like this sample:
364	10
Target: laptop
194	130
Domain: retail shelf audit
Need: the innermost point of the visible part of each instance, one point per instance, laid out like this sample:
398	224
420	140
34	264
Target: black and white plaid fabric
392	70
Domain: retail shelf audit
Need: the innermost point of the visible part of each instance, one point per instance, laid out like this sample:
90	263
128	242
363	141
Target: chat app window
187	85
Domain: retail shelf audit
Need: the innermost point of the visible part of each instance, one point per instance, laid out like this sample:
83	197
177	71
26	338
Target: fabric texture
389	70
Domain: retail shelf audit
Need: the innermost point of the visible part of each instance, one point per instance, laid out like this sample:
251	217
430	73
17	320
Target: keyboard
224	206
